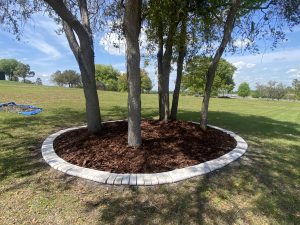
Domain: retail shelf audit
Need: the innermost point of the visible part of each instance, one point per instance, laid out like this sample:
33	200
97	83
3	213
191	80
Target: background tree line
107	78
16	70
277	90
272	90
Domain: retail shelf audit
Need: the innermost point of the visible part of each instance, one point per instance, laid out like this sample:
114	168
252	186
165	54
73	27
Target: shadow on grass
268	174
260	186
21	139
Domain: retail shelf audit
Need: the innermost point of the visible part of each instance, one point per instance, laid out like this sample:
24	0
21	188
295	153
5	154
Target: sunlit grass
263	187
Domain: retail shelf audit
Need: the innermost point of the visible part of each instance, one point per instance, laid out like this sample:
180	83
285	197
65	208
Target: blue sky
46	51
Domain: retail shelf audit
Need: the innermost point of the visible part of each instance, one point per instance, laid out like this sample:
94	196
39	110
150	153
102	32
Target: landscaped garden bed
165	147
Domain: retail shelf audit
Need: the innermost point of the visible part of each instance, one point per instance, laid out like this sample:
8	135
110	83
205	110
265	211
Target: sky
46	52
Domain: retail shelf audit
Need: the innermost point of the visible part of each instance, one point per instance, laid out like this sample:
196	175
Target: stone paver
140	179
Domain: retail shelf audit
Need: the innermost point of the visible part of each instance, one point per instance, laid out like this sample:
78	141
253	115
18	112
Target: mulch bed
166	146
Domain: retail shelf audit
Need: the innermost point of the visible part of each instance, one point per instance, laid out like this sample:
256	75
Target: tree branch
71	40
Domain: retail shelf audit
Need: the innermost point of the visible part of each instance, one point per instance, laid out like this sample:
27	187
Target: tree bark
132	27
160	72
84	54
228	27
164	69
180	60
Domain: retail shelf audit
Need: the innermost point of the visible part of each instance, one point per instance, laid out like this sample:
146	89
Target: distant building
2	75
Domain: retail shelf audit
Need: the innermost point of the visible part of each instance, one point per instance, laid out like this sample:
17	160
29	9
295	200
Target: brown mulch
166	146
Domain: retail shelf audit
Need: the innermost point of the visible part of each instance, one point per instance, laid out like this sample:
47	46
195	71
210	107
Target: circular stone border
140	179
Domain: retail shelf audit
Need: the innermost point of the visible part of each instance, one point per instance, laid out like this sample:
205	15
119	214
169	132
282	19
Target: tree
296	87
72	78
163	18
58	78
132	29
123	83
244	90
38	81
272	90
108	76
181	46
227	30
194	78
280	91
69	78
146	83
8	66
23	71
75	18
266	19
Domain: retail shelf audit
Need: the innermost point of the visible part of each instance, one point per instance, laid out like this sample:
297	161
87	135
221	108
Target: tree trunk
164	69
180	60
87	69
176	92
83	50
160	74
132	27
228	27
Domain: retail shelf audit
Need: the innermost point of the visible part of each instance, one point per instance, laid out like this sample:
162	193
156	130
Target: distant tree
255	94
272	90
38	81
58	78
69	78
8	66
108	76
23	71
280	91
244	90
194	78
296	88
122	83
72	78
146	83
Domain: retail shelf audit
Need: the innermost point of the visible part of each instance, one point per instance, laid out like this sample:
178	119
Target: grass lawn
263	187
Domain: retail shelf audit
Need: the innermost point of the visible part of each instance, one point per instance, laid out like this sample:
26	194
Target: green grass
263	187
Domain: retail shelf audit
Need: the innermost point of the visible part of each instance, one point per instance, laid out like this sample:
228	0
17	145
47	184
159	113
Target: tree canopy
15	69
244	90
68	78
146	83
296	87
108	76
194	77
272	90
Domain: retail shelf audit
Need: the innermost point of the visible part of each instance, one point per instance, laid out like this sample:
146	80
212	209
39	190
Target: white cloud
241	43
45	47
290	55
113	44
292	71
242	65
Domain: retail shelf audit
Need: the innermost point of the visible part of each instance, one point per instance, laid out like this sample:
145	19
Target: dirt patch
166	146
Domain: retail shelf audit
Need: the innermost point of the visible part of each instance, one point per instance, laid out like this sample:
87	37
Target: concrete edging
140	179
